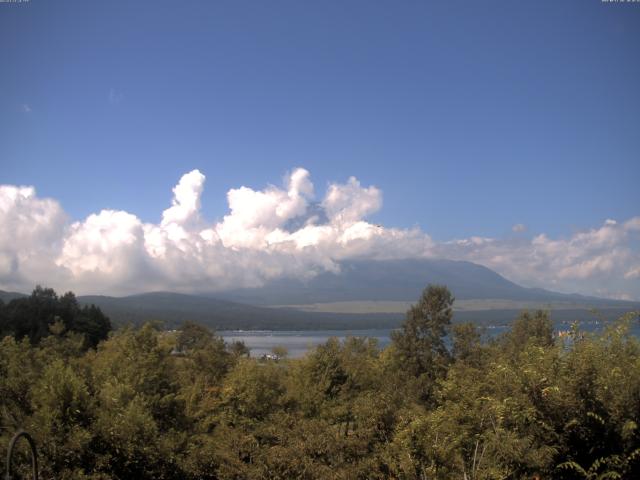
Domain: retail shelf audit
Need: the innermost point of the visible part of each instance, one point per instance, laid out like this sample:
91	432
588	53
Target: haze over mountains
399	280
364	294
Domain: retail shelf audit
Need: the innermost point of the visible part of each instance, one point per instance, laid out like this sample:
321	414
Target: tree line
146	403
44	313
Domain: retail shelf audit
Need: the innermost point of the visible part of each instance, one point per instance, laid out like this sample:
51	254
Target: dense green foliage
152	404
44	313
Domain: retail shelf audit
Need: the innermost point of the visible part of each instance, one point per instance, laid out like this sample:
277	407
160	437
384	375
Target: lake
298	342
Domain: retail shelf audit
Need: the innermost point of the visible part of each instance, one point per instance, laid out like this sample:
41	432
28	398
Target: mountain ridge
399	280
284	304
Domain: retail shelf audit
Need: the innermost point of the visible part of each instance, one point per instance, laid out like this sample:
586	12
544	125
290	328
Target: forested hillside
149	404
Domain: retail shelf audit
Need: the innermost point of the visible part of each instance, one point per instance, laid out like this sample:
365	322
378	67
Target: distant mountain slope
400	280
483	295
6	297
172	309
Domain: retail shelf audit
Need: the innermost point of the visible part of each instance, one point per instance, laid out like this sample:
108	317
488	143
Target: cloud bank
278	232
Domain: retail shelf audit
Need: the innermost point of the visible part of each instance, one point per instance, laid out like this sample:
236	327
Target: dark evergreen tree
419	345
32	317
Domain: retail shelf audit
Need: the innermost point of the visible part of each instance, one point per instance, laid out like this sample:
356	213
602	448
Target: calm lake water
299	342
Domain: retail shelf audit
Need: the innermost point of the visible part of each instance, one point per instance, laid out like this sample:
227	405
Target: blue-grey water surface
298	342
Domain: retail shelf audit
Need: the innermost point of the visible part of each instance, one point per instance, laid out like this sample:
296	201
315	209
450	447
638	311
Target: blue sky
470	117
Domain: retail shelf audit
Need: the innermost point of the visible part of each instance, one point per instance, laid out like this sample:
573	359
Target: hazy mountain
400	280
6	297
482	295
172	309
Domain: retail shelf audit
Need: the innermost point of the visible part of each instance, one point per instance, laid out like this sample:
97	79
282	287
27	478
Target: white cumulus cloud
31	232
185	206
350	202
584	262
279	231
257	216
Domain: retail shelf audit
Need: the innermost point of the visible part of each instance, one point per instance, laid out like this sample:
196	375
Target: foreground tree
529	329
419	347
148	403
32	317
